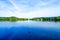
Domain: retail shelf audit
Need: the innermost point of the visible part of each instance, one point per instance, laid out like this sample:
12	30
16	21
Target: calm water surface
29	30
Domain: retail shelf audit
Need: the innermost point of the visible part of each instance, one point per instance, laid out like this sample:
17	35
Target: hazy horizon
29	8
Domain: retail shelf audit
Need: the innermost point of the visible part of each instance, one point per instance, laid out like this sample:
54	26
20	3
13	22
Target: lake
29	30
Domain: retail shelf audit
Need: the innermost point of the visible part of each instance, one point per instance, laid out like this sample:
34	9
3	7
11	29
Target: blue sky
29	8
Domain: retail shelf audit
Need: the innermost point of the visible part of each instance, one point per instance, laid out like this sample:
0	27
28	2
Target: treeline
13	19
56	19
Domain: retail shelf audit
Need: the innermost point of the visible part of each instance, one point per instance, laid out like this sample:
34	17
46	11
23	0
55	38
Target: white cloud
51	11
31	8
14	4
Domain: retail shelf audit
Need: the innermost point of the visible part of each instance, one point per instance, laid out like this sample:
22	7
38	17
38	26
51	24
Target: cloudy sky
29	8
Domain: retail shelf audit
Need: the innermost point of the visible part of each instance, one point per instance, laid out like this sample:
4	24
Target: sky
29	8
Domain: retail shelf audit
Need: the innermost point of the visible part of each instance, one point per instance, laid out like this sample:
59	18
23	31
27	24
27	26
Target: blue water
29	30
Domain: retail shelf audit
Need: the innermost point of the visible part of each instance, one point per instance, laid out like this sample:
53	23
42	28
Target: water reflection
29	30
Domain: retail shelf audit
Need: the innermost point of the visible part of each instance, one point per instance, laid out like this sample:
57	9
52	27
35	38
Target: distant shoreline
13	19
